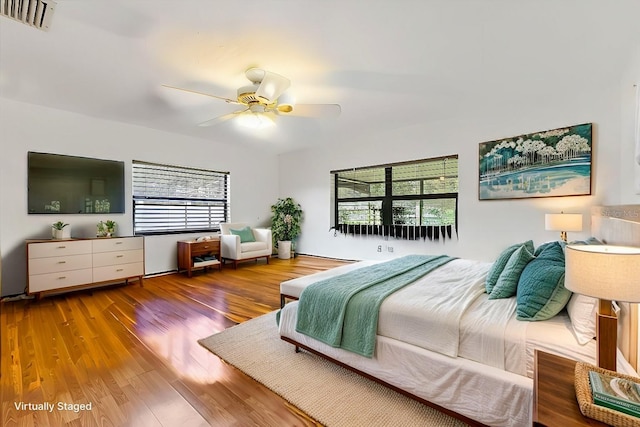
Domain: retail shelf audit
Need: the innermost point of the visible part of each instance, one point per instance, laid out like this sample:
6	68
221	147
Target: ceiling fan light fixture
286	102
271	87
255	118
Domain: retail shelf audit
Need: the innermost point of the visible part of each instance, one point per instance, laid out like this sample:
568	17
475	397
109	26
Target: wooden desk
554	394
189	249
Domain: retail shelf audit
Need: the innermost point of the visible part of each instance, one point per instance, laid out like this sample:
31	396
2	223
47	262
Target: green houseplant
286	216
58	231
106	228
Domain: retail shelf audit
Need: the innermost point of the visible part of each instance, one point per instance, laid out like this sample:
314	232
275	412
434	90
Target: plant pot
65	233
284	249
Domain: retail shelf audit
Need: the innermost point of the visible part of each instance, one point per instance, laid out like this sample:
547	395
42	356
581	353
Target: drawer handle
62	262
118	243
62	277
62	247
119	256
120	269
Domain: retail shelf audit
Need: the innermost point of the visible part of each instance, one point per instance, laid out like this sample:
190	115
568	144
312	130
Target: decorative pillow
582	312
543	246
246	235
507	283
501	262
541	293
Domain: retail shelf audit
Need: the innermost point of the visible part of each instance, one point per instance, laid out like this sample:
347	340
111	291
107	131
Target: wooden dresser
57	265
193	254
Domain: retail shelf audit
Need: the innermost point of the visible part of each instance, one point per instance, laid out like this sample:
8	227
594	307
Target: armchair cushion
246	235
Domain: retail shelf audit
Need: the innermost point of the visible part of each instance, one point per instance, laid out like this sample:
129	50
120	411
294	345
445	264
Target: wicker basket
600	413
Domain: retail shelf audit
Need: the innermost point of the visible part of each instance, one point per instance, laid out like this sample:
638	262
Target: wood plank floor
131	352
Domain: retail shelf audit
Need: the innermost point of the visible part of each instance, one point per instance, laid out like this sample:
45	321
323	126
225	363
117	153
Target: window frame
217	208
388	197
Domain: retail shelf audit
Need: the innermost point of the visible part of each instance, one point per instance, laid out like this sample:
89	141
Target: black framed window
418	195
175	199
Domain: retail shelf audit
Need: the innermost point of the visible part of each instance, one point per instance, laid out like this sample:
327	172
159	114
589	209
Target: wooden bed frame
616	225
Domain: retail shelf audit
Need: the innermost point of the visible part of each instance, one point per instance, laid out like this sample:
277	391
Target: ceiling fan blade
220	119
272	86
227	100
313	110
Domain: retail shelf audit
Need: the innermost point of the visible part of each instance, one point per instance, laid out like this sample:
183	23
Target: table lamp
608	273
563	222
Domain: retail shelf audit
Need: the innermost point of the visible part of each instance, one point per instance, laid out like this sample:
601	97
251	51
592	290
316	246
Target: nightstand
554	394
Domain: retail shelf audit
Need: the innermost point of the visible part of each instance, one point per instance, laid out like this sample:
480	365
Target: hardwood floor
128	355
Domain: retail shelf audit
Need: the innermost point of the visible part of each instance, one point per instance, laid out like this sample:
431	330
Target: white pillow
582	312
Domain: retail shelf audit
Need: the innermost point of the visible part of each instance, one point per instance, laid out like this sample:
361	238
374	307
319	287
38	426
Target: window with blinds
175	199
409	199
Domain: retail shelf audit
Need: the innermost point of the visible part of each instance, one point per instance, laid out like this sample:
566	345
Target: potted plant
111	227
58	231
106	228
286	216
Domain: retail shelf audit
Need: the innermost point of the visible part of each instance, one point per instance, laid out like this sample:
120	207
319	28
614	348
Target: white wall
630	170
485	227
25	127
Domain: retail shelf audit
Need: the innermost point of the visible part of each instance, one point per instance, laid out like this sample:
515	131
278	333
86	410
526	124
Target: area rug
330	394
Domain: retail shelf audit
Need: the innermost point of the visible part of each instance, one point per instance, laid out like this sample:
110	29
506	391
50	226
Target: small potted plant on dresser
106	228
286	216
59	230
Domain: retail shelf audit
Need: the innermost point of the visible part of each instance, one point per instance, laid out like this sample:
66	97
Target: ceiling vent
34	13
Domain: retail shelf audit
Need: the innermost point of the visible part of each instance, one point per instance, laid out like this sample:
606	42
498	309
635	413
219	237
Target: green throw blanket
342	311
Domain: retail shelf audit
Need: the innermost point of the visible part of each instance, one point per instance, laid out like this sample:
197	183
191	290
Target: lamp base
607	336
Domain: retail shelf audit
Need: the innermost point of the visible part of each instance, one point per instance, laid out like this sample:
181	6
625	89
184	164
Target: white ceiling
388	64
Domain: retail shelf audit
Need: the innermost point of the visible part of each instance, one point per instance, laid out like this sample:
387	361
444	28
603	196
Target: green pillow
246	235
544	246
501	262
541	293
507	283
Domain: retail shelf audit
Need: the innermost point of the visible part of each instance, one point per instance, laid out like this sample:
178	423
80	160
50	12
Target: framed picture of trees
550	163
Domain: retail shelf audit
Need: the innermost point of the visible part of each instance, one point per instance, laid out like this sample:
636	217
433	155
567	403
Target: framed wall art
550	163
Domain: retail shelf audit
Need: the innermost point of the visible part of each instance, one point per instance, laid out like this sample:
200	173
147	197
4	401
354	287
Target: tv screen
60	184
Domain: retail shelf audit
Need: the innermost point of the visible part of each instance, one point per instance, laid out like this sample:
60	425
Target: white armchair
233	249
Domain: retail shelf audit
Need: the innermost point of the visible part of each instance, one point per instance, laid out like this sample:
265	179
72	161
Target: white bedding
428	312
495	351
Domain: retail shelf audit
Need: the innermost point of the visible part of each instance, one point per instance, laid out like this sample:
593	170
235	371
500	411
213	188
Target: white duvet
490	379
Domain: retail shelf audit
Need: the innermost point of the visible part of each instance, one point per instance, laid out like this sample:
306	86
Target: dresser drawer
60	248
122	271
201	248
117	244
63	263
102	259
63	279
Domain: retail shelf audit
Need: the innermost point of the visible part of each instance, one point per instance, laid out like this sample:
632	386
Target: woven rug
330	394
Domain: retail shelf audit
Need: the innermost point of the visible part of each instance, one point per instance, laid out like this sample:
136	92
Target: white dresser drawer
102	259
62	263
113	272
117	244
59	248
63	279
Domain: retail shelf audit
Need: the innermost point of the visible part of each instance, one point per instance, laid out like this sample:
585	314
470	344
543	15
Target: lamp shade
563	222
603	271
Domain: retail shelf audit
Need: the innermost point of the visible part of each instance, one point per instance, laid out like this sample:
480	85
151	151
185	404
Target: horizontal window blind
173	199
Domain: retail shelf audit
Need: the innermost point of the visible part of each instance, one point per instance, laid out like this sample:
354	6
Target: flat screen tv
60	184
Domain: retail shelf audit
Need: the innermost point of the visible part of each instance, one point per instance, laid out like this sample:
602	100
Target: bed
438	363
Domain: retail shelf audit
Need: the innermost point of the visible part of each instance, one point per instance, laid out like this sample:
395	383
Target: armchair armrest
230	246
264	235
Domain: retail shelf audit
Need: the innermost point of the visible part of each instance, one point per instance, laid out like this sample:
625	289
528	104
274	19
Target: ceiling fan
264	99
